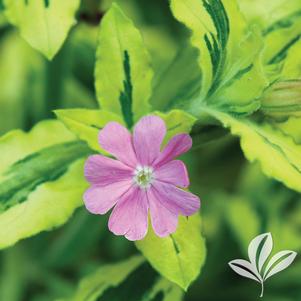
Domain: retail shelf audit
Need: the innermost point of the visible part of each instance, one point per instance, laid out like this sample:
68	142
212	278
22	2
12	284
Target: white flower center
144	176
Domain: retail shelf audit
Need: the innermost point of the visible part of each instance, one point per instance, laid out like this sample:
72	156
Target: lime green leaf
292	64
291	127
282	46
43	24
86	124
277	152
123	73
270	15
177	121
116	282
41	180
242	96
180	256
278	41
232	75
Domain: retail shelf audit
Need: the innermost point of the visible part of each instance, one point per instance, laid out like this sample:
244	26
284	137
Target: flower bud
282	99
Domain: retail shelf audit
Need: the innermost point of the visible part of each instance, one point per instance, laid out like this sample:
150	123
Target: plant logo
258	267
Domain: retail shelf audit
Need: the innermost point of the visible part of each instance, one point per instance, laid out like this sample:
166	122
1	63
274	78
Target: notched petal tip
130	235
136	236
165	233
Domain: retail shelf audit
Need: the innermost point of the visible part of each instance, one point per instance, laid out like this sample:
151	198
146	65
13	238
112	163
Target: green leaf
123	73
95	284
183	75
292	64
116	282
86	124
278	40
12	73
41	180
277	153
177	122
282	50
164	290
178	257
282	44
270	14
291	127
43	24
232	74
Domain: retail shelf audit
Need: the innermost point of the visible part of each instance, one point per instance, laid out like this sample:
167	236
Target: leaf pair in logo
259	268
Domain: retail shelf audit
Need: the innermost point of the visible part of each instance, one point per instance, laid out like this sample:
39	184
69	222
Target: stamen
144	176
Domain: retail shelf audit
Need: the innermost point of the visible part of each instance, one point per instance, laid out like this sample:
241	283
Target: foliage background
238	201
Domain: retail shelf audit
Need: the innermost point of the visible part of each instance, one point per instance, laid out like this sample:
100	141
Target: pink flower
143	179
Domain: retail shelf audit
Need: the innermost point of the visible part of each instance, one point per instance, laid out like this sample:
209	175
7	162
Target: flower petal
102	171
176	200
176	146
148	136
173	172
130	216
164	222
117	140
99	200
